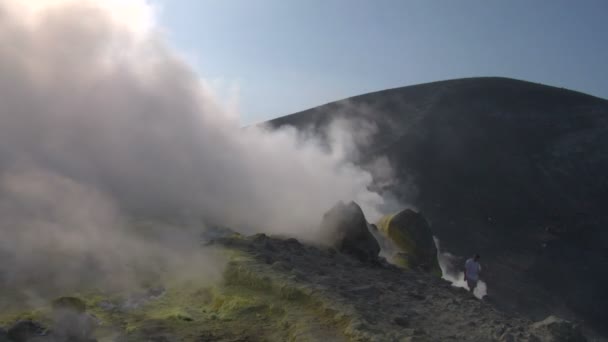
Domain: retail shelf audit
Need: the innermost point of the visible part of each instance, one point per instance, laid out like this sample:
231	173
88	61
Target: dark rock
293	242
213	233
4	336
367	291
268	259
345	228
259	237
26	330
331	252
507	337
554	329
69	303
71	322
401	321
419	331
281	266
416	296
269	246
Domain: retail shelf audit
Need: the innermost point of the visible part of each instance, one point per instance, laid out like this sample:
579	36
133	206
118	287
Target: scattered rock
345	228
555	329
156	291
268	259
355	301
136	300
281	266
260	237
507	337
107	305
401	321
416	296
269	247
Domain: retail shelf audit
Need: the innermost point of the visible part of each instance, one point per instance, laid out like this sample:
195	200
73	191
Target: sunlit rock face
411	242
512	170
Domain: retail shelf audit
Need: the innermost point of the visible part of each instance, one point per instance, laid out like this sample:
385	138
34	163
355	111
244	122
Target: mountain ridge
439	82
512	169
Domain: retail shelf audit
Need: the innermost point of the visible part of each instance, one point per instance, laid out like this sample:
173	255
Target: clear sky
283	56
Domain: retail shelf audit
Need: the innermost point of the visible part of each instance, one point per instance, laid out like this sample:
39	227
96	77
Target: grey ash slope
513	170
376	301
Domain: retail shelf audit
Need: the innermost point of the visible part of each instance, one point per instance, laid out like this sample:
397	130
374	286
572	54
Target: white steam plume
453	273
101	118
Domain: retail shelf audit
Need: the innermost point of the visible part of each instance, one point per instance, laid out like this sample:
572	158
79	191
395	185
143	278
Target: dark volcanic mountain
513	170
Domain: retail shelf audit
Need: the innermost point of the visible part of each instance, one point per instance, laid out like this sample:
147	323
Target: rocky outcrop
344	227
69	304
410	241
555	329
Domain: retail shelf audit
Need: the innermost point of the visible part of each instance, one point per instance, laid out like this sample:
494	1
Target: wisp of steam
454	273
103	124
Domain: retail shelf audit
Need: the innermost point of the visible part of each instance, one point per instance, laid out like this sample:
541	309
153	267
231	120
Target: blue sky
285	56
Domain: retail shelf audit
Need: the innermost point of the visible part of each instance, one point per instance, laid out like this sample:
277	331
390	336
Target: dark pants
472	284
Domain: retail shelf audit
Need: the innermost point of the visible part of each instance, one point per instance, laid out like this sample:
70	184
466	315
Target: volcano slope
277	289
513	170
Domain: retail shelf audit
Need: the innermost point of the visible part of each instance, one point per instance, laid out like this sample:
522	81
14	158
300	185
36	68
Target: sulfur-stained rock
410	241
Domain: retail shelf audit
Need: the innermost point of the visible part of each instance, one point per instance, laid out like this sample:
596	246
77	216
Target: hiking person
471	272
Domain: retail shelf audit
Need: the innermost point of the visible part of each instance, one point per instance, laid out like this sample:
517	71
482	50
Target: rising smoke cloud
102	121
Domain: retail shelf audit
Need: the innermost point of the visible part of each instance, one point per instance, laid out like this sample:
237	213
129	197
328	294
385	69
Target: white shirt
472	268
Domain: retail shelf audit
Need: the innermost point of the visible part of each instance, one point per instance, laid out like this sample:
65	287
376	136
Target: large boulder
69	304
410	241
555	329
344	227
